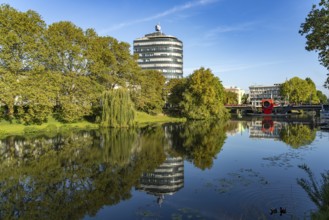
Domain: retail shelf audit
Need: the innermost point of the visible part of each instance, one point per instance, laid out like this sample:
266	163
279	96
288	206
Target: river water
254	168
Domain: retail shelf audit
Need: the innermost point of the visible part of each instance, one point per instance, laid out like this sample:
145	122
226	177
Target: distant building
238	91
157	51
257	93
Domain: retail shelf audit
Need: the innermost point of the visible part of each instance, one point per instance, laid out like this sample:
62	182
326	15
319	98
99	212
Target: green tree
21	49
66	45
148	94
76	96
322	97
297	90
118	110
21	40
36	102
175	89
313	99
245	99
231	98
101	61
203	97
316	30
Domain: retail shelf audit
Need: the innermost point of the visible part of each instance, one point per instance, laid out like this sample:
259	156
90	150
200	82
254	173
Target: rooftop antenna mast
158	28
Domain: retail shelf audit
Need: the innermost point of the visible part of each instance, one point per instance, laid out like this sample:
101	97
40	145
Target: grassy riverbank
52	125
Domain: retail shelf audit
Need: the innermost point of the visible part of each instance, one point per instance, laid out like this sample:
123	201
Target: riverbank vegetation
297	90
62	72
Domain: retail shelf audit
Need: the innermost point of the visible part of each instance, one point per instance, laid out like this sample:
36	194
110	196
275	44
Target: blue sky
244	42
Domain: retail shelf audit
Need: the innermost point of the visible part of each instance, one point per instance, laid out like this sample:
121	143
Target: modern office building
157	51
257	93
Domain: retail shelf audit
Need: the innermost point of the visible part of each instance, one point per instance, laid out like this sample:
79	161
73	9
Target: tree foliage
231	98
245	99
316	30
148	91
322	97
175	89
203	96
298	90
58	69
118	110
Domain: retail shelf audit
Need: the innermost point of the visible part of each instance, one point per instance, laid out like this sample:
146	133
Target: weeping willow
118	110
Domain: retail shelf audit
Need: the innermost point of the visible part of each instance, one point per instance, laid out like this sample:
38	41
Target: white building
257	93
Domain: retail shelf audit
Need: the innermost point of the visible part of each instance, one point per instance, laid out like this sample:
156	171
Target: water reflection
200	142
296	134
80	173
77	173
166	179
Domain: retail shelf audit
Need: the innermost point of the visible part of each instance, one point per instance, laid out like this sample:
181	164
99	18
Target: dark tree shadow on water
317	191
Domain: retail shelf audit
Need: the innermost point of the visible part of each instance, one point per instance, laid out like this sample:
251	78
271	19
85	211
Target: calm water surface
243	169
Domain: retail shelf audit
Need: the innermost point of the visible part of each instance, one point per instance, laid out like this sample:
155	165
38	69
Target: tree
66	48
76	96
21	40
148	94
231	98
317	33
322	97
118	109
37	98
313	98
175	89
245	99
297	90
21	49
203	97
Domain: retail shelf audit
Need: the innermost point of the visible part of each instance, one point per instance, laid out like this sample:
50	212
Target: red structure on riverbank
267	106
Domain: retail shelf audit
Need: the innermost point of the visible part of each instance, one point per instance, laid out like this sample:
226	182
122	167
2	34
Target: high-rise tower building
158	51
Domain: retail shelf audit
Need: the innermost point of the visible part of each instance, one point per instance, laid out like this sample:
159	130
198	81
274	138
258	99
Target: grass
144	118
7	128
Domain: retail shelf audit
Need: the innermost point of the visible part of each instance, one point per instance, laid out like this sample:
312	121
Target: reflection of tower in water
167	179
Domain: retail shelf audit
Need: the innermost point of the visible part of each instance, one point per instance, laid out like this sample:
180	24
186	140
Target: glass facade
157	51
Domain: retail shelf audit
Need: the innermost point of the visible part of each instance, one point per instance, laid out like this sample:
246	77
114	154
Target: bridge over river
315	108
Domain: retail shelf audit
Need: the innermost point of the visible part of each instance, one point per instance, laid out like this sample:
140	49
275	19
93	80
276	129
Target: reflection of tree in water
318	193
200	142
297	135
73	176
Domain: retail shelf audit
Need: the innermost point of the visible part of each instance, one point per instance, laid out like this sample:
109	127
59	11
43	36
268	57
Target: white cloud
170	11
232	28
